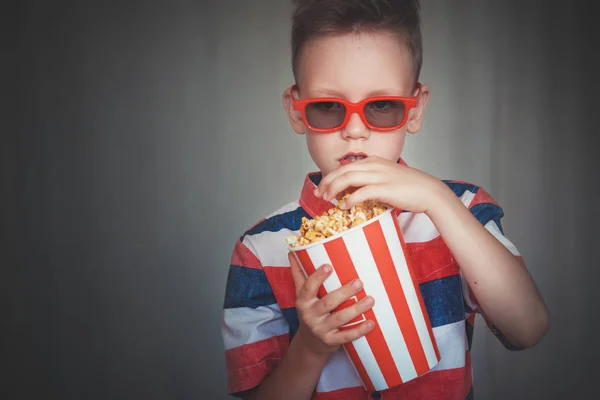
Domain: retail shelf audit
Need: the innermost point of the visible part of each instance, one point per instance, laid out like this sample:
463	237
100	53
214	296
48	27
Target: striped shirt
260	320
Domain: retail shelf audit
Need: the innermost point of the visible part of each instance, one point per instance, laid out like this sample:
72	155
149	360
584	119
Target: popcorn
334	221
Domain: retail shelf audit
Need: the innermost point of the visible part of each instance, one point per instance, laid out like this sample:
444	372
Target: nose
355	128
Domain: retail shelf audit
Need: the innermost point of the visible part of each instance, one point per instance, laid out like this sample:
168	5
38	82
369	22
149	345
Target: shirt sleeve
254	331
489	213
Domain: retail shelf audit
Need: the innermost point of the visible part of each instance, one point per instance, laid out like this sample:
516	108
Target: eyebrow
325	92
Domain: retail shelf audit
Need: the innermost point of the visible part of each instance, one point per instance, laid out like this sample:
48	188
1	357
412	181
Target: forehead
354	66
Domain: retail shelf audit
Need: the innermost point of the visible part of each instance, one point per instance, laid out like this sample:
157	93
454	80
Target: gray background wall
139	139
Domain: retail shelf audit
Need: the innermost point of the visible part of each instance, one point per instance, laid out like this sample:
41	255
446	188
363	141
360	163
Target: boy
281	341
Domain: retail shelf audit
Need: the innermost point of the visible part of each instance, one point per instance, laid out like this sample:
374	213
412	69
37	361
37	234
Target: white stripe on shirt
244	325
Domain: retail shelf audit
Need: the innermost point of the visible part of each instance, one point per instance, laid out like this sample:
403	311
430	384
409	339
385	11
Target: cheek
318	144
390	146
322	149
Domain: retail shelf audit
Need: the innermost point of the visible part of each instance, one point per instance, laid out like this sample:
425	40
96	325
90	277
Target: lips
351	157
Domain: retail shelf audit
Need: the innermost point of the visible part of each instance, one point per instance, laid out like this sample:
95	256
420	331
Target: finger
313	283
355	178
367	192
339	337
297	274
332	300
342	317
363	165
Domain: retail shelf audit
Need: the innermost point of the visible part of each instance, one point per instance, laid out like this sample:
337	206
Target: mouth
351	157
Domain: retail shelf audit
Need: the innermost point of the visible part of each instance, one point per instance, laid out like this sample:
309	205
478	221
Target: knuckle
351	174
328	304
339	318
319	277
301	297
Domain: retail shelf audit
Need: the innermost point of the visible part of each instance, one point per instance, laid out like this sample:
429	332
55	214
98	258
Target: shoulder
479	201
284	218
266	238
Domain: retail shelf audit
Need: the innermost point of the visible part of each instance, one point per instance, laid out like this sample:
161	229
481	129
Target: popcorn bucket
401	346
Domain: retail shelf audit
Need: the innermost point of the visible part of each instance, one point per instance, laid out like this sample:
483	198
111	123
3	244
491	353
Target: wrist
306	354
440	197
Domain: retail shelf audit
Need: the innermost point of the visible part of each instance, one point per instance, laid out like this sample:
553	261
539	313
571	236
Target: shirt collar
313	205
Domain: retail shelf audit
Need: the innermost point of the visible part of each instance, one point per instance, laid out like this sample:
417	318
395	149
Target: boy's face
354	67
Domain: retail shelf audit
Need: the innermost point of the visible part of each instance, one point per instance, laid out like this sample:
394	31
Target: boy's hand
318	329
376	178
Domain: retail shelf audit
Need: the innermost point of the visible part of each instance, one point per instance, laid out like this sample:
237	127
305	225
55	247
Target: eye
381	105
328	106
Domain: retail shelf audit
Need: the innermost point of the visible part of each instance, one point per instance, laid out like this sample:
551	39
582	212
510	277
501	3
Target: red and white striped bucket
401	346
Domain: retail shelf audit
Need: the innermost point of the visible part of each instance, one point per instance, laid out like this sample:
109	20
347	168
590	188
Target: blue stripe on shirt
486	212
316	178
443	300
291	317
460	188
442	297
247	287
288	220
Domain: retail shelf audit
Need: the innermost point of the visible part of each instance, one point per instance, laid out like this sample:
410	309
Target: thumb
297	274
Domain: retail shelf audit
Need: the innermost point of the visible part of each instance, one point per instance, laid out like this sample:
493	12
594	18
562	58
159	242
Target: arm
504	289
255	333
506	293
295	378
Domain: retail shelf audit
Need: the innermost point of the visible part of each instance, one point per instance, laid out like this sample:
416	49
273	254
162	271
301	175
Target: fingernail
368	301
316	191
356	284
343	205
370	324
325	196
327	269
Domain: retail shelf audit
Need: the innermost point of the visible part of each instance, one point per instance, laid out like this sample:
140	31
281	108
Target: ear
294	116
415	119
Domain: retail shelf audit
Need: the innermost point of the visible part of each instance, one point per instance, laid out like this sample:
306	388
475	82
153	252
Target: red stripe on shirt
249	364
282	284
449	384
242	256
481	196
314	206
432	260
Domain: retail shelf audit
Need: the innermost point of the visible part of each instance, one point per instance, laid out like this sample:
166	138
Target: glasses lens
325	114
385	113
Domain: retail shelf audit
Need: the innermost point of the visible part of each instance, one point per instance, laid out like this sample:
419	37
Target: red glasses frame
351	108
